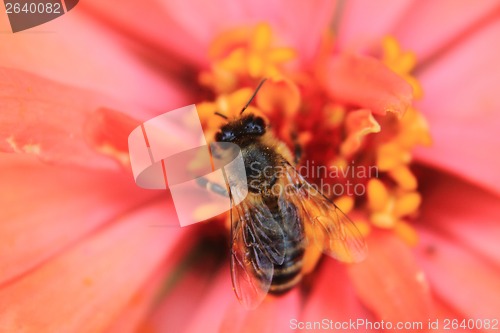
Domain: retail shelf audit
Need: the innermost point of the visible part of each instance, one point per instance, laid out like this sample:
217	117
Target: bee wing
257	244
331	229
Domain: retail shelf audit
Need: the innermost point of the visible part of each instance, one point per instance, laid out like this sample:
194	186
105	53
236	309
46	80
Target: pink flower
79	251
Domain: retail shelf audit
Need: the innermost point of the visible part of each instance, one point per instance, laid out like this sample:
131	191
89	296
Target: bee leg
297	148
211	186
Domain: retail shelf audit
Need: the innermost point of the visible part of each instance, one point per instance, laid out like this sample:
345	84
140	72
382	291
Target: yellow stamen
279	96
363	227
383	220
407	204
335	115
280	55
391	155
261	39
242	54
401	62
378	196
407	233
345	203
404	177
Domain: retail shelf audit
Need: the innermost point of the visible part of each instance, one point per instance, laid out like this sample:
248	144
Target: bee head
245	127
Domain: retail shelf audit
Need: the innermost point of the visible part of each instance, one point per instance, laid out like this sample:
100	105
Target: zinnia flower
408	87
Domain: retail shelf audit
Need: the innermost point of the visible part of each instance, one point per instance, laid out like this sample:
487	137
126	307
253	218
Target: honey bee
281	216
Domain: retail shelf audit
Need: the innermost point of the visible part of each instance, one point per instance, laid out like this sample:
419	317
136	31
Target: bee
281	216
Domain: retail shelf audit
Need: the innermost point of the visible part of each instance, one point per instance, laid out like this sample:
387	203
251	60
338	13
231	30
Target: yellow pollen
335	115
119	155
30	148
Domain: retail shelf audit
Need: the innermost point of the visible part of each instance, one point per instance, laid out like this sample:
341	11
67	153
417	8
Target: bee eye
260	122
255	126
224	136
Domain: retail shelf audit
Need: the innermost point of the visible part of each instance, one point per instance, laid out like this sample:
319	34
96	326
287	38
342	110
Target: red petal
273	315
47	208
135	316
79	52
188	286
87	287
459	277
333	296
464	117
47	119
367	83
389	282
160	32
462	212
201	303
139	306
443	315
107	131
214	306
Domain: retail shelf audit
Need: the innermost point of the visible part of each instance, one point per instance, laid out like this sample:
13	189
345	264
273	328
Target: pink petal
462	106
203	302
428	28
444	314
78	52
182	299
389	282
138	307
159	33
136	313
46	208
365	22
47	119
299	24
84	289
463	212
367	83
273	315
460	278
333	296
214	306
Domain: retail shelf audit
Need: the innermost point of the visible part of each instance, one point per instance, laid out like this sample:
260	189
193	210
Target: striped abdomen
289	273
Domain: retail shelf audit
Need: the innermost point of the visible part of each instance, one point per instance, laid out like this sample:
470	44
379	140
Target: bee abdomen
289	273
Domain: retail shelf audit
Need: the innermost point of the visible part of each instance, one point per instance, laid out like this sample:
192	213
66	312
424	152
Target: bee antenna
253	95
221	115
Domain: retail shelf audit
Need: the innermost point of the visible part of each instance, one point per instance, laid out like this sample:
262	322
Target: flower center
359	158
